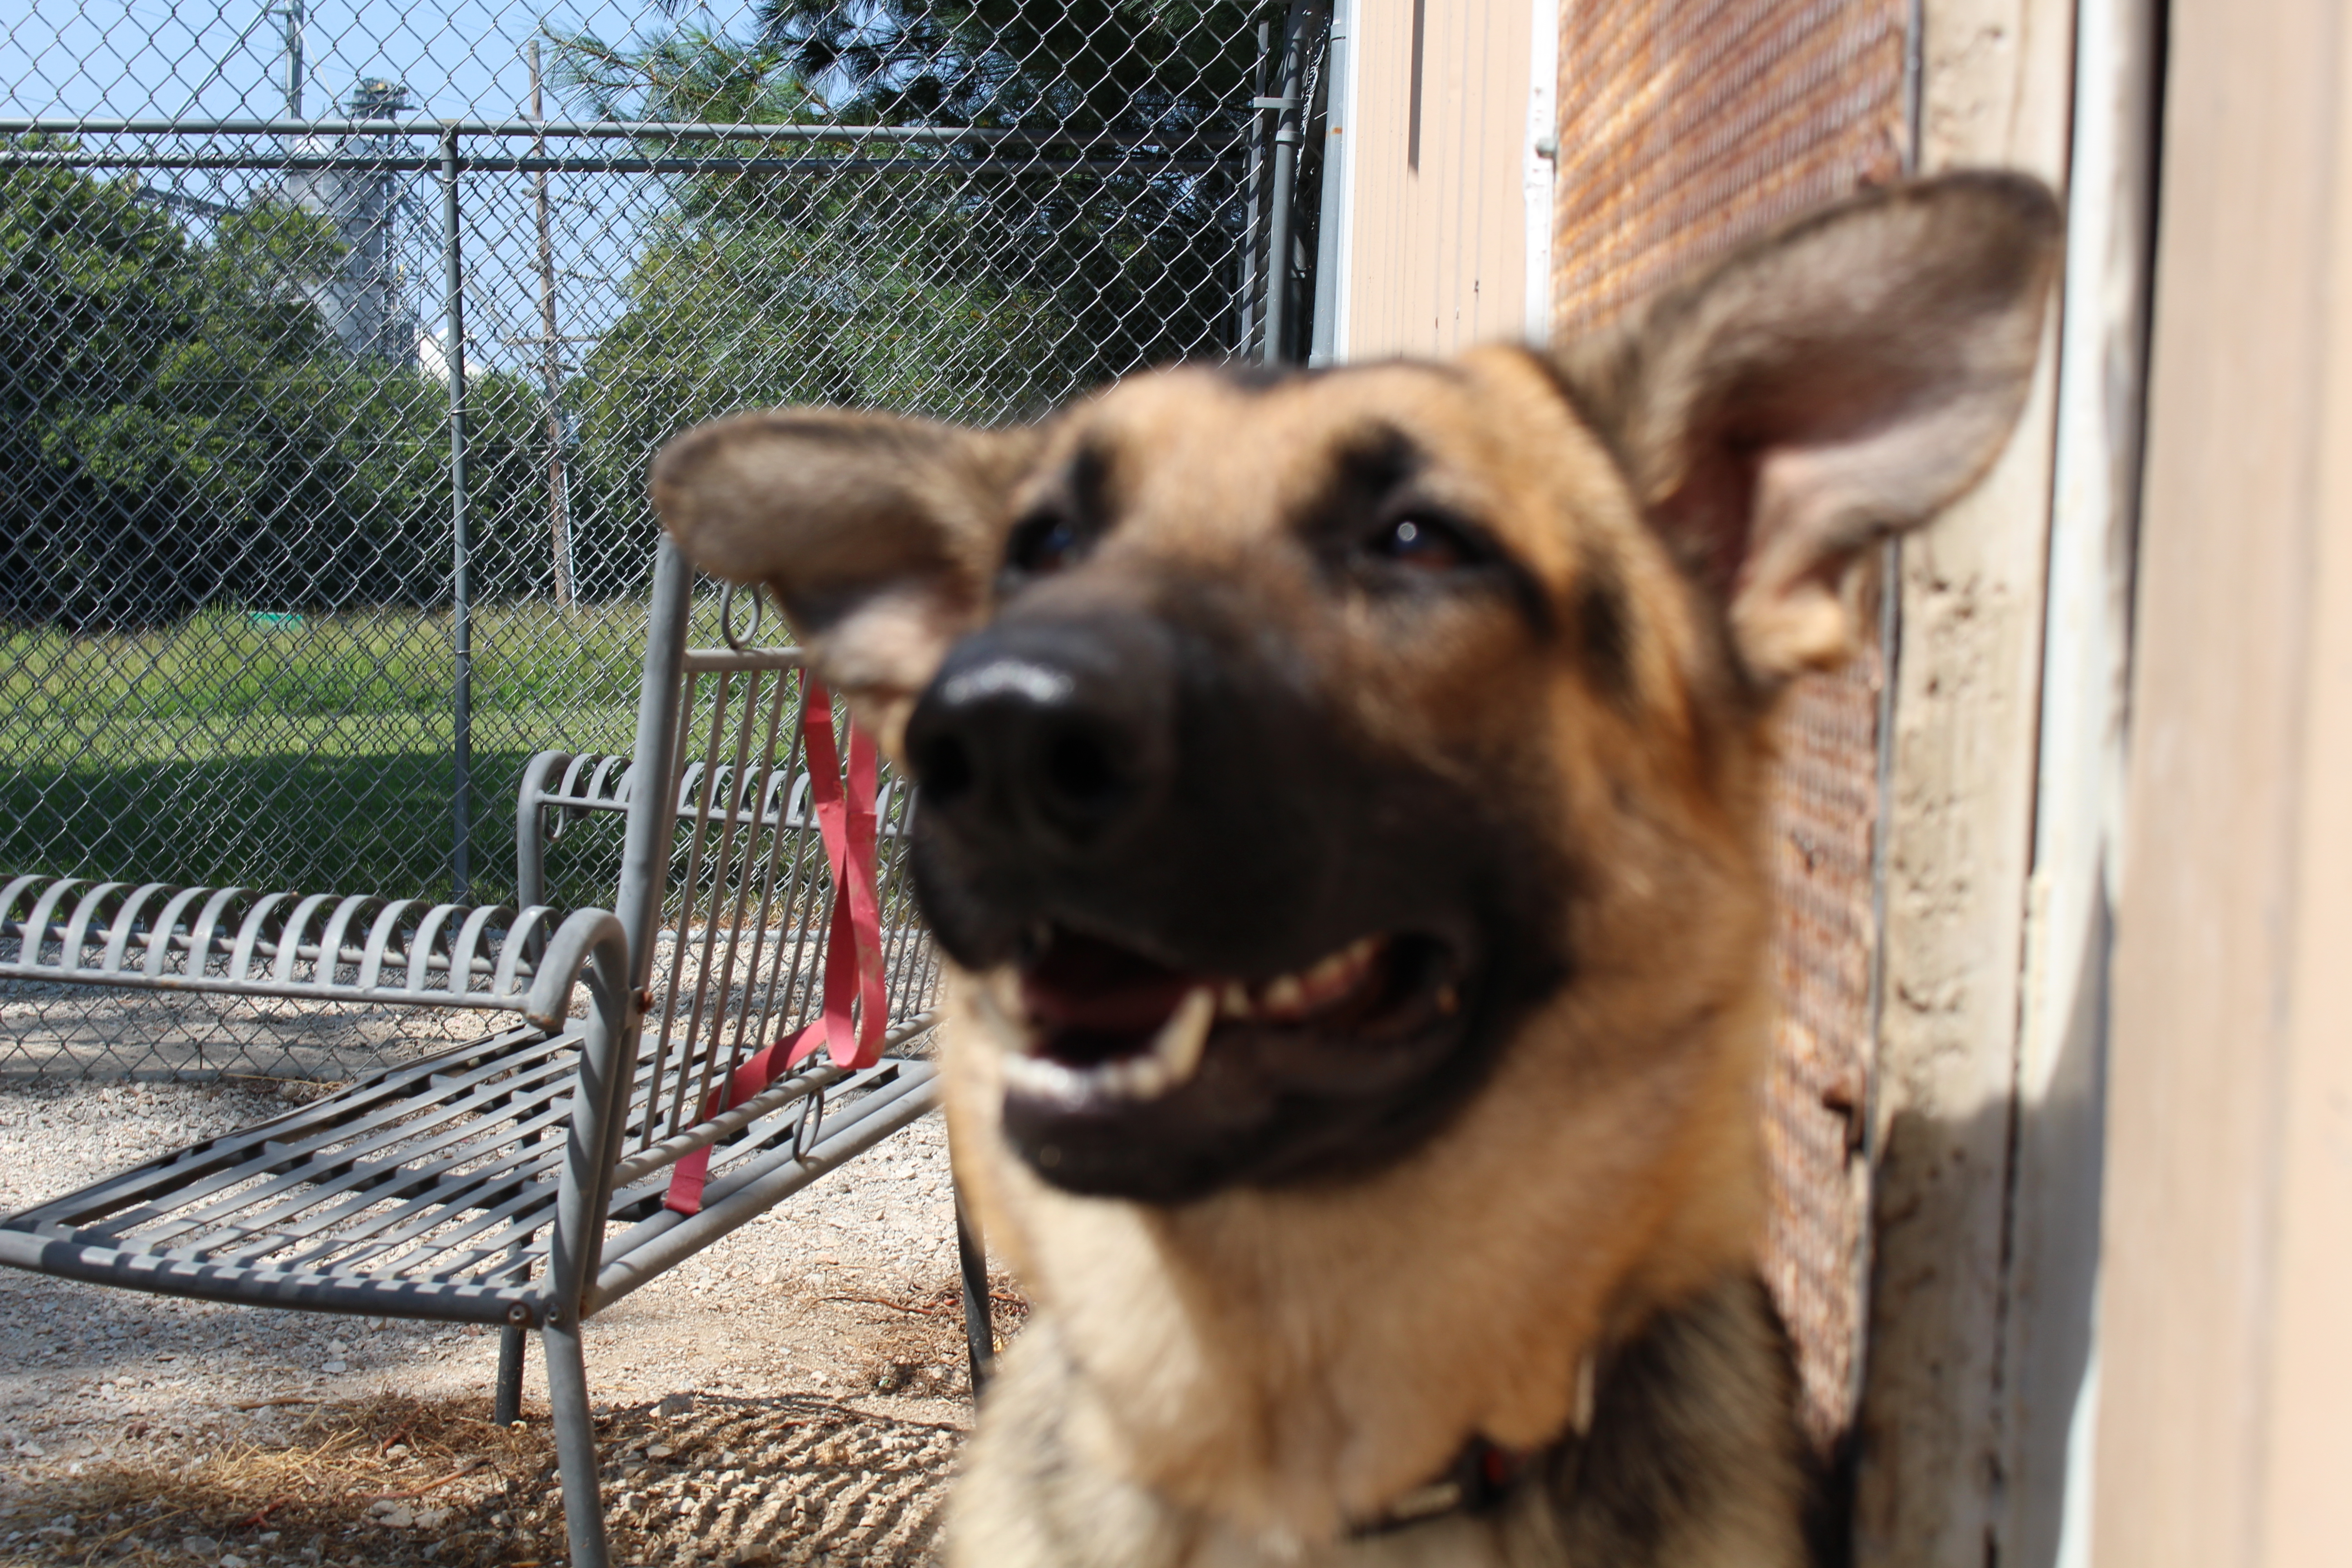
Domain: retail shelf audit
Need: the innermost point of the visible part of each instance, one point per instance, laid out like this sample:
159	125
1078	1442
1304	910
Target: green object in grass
276	620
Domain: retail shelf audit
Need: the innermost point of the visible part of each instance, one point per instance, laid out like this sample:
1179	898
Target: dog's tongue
1082	984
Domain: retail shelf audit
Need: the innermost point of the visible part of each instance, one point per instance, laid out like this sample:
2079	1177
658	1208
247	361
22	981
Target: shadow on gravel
395	1481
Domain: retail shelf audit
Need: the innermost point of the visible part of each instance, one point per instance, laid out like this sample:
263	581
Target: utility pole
1252	308
559	498
292	10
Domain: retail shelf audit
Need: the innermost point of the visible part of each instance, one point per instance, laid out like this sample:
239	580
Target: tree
1171	74
1143	250
975	280
181	428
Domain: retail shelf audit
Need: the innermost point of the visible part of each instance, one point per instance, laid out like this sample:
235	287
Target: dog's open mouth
1105	1021
1099	1025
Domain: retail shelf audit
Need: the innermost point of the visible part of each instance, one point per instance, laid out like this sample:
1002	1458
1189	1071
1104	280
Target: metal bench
534	1176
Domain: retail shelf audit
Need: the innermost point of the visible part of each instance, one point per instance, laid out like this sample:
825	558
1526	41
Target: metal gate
334	339
1685	129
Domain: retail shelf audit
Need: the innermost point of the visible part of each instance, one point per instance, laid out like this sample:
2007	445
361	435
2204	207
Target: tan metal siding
1438	252
2225	1360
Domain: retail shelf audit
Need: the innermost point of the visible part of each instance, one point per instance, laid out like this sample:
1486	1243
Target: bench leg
575	1442
507	1401
979	1315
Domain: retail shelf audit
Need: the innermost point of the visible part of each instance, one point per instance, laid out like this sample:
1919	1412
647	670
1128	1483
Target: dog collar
1483	1473
1474	1483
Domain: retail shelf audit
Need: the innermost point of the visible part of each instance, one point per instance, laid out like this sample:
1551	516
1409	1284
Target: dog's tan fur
1247	1377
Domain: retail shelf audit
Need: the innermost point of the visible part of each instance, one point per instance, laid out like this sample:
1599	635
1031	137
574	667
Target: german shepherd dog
1343	802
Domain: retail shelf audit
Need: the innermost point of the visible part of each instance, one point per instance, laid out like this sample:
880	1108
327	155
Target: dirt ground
795	1395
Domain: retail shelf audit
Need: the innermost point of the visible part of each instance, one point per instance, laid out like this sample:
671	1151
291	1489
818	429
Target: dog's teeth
1233	1001
1338	974
1137	1078
1178	1047
1326	975
1295	996
1044	1078
1285	995
1175	1056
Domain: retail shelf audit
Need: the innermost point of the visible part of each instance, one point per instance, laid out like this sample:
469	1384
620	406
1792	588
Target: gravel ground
56	1031
812	1348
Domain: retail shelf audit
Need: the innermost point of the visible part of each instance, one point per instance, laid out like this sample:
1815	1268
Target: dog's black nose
1048	734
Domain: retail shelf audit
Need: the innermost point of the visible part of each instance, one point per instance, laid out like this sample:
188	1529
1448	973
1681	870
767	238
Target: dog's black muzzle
1127	808
1046	742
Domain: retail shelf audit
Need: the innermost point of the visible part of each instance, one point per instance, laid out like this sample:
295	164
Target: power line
220	64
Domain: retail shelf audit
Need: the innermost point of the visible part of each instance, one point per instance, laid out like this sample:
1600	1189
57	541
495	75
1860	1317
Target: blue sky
134	58
459	58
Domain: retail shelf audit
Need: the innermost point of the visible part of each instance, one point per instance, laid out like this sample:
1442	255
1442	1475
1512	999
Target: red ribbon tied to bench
850	1028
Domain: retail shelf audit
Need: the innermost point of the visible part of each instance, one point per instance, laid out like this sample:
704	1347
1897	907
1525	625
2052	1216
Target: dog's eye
1423	543
1041	544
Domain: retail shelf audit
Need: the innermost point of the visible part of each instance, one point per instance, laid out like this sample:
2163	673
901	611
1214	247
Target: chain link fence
335	338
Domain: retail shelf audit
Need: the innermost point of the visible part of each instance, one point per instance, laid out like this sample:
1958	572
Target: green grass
313	754
226	664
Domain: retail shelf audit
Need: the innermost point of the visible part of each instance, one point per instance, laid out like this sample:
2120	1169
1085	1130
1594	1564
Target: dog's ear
1835	382
878	536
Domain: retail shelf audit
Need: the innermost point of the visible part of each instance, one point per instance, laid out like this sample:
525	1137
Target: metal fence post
1290	115
452	287
550	359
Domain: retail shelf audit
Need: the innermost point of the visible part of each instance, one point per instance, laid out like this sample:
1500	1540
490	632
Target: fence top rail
615	163
730	131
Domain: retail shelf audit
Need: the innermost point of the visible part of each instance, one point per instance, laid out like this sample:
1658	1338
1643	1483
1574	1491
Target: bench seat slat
370	1103
453	1116
443	1214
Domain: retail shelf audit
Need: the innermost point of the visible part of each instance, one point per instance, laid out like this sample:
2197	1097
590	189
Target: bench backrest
725	888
